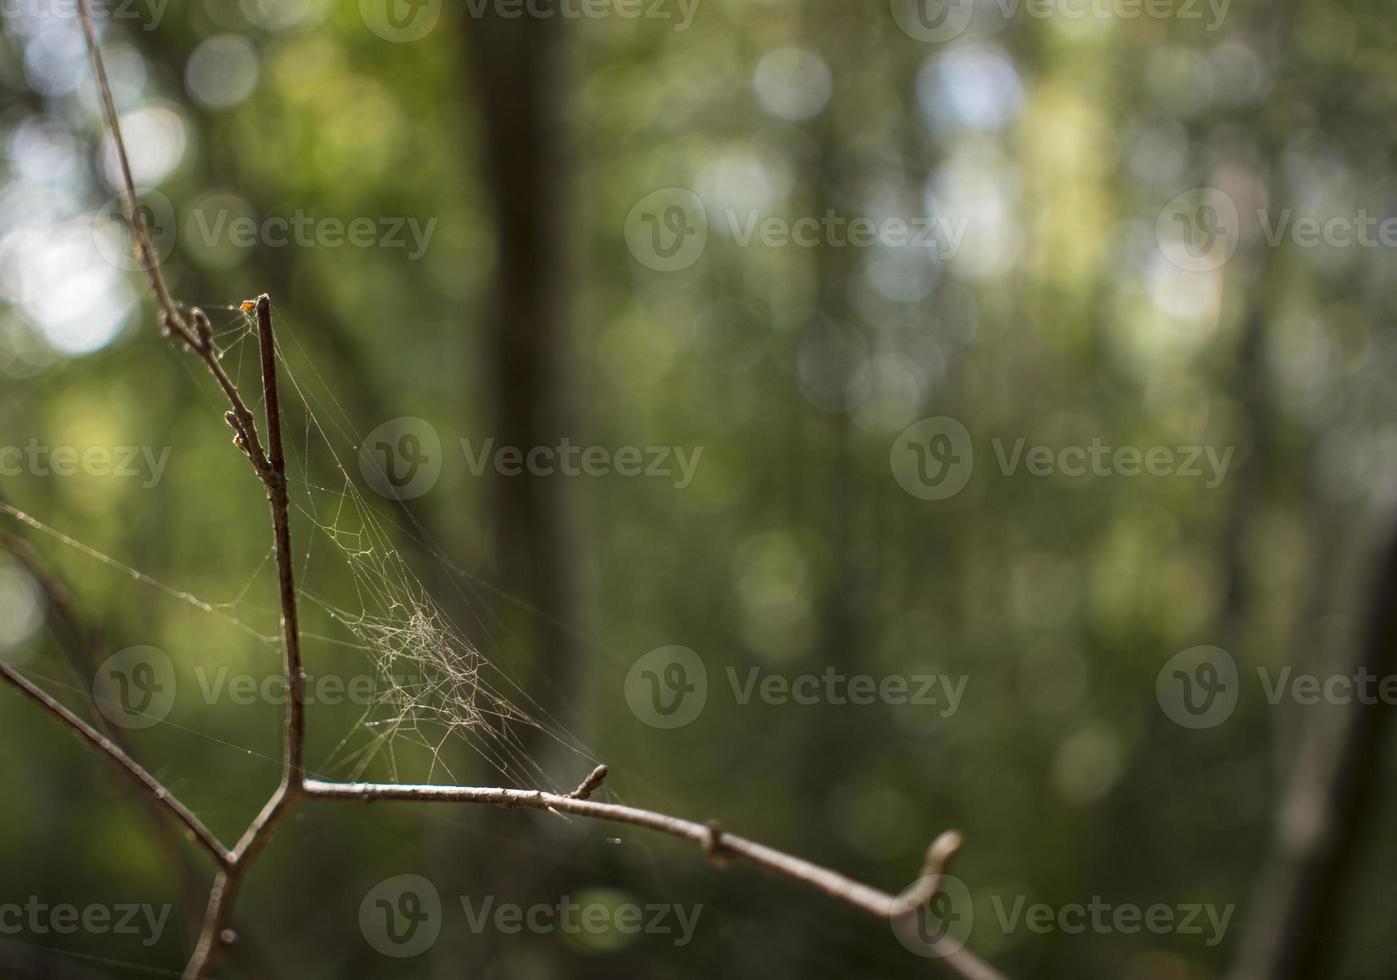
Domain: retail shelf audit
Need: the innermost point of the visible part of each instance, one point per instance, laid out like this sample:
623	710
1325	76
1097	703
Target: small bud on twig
203	330
590	784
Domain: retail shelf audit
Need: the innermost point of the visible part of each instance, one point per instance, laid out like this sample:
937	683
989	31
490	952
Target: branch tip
928	883
939	854
589	785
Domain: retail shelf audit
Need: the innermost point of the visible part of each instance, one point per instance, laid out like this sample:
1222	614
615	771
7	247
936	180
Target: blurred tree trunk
1335	762
1328	808
518	71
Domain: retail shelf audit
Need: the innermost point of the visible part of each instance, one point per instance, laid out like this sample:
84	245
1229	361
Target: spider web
434	687
436	684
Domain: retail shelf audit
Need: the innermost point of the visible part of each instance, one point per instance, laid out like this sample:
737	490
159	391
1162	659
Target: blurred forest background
533	313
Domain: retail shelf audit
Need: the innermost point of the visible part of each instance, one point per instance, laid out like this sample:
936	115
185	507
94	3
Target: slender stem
170	317
83	649
271	470
717	843
216	935
133	768
275	479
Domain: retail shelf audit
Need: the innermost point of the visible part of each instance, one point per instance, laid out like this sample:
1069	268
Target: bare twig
133	768
82	647
170	316
821	879
274	476
714	841
271	470
269	465
217	934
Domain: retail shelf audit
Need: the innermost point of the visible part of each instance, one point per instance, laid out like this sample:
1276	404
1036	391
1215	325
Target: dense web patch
434	686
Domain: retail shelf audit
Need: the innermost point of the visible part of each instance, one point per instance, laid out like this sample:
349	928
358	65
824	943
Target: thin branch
275	479
269	465
199	337
271	469
133	768
216	934
83	649
718	844
170	317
